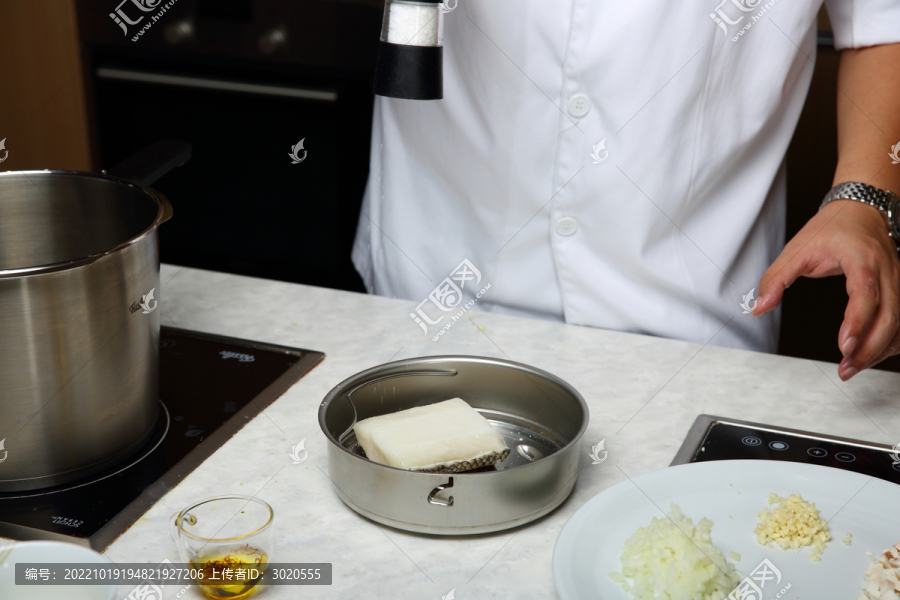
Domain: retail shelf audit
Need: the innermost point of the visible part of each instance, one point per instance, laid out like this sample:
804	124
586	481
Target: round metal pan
541	417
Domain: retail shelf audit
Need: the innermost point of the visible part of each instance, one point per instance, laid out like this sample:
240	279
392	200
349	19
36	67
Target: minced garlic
793	523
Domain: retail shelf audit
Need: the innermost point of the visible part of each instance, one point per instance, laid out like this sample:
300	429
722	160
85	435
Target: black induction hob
720	438
210	387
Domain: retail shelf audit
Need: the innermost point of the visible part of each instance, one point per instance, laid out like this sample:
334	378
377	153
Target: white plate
49	552
590	544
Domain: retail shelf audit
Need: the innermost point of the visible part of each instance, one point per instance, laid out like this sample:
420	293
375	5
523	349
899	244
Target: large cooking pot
540	416
79	329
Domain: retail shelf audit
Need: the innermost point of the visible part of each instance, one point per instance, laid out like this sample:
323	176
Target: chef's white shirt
696	103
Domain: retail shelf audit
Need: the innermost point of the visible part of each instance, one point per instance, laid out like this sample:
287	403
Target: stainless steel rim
164	211
341	389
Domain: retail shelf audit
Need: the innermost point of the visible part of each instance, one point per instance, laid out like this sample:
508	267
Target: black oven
276	99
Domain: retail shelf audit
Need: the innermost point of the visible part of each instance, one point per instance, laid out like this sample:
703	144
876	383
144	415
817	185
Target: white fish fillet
447	436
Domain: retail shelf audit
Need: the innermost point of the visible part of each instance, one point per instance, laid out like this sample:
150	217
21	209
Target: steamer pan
541	417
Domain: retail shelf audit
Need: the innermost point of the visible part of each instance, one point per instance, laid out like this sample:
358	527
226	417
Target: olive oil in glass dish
228	541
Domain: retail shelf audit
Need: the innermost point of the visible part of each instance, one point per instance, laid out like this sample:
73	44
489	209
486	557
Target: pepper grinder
410	54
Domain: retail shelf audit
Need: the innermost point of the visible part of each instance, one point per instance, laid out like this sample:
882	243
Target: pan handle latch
438	490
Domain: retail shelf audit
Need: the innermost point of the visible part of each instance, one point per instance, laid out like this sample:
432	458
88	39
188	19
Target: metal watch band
884	200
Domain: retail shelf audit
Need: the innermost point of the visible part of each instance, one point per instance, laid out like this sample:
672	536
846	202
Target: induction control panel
719	438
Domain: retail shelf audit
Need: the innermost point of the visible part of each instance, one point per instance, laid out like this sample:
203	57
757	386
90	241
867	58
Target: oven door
244	204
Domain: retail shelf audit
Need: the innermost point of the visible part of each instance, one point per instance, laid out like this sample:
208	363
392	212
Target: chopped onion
673	559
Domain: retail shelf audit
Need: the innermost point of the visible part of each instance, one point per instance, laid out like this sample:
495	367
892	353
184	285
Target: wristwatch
884	200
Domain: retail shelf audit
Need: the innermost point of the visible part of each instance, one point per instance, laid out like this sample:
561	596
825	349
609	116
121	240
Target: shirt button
579	105
566	226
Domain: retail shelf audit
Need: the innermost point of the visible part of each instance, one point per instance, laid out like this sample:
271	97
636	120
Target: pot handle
439	489
154	161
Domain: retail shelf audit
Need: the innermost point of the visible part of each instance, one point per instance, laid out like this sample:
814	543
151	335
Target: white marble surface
644	393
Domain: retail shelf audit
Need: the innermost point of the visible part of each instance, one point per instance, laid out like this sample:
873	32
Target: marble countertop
643	393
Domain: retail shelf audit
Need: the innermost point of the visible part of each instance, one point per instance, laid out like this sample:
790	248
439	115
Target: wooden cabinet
42	106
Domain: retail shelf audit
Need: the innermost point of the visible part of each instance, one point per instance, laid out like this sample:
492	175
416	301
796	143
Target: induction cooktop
210	387
720	438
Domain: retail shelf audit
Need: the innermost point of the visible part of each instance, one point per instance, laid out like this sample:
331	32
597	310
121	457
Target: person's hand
851	238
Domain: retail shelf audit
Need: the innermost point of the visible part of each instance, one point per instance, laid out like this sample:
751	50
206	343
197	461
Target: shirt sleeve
859	23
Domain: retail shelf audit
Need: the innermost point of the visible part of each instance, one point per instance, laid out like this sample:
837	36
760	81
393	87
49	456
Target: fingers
871	320
803	255
863	289
892	349
780	274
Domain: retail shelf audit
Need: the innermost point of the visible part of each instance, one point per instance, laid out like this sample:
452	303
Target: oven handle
216	84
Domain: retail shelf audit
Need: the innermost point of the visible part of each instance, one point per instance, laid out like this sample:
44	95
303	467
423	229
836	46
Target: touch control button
751	441
845	457
817	452
778	445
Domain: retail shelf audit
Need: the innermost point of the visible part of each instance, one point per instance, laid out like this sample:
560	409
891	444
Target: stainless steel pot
541	417
79	329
